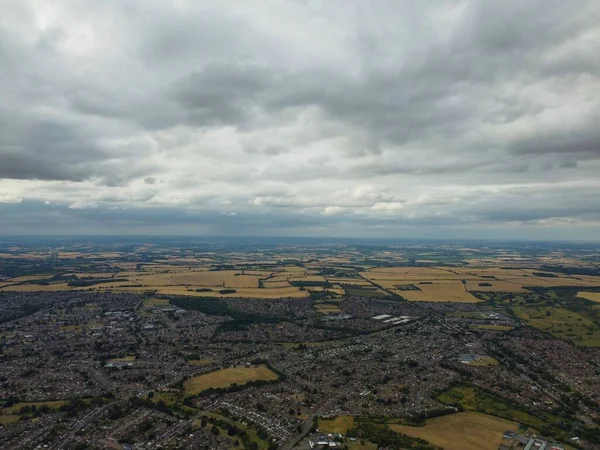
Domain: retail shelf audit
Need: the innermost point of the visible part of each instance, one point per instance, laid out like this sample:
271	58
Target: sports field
462	431
227	377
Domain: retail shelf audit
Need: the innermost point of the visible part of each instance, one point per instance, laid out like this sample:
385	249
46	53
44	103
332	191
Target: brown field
462	431
591	296
226	377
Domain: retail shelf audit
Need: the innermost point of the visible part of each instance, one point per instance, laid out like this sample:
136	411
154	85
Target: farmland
226	377
591	296
461	431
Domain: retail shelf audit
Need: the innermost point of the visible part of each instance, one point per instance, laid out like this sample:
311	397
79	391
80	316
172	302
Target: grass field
361	444
483	361
199	362
129	358
492	327
163	302
327	309
474	399
341	424
227	377
461	431
562	323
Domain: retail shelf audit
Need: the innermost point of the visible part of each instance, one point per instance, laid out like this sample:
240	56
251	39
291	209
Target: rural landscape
175	343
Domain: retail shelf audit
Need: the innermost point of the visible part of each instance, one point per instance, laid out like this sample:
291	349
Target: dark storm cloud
45	149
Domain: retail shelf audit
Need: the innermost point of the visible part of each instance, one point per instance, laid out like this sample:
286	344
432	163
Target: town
102	368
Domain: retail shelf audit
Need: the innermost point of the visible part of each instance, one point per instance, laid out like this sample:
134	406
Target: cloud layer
385	118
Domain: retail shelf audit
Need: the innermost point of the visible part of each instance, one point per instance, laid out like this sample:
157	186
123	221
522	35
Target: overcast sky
301	118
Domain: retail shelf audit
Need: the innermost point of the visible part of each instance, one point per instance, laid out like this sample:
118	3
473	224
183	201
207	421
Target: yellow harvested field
341	425
29	278
448	291
37	287
226	377
592	296
461	431
221	278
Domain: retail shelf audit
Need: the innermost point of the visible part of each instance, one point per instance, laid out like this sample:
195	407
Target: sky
344	118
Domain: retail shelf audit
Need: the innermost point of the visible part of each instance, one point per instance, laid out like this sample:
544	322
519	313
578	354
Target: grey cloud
272	108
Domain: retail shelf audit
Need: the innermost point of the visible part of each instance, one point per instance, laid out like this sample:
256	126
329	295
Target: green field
492	327
561	323
471	398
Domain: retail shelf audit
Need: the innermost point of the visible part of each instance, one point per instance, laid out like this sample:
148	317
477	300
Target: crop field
493	286
37	287
221	278
461	431
450	291
341	424
29	278
226	377
475	280
325	308
591	296
562	323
